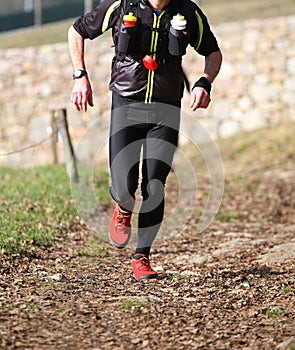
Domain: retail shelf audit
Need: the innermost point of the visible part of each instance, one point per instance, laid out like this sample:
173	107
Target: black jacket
129	77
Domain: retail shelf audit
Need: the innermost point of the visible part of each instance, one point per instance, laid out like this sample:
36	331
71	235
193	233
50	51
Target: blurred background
24	13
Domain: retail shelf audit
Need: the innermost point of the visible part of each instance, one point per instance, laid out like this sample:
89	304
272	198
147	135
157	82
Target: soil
230	287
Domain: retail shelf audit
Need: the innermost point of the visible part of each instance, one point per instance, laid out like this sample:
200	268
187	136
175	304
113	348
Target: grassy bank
37	205
231	10
216	10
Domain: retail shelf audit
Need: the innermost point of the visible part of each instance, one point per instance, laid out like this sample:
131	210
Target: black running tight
150	130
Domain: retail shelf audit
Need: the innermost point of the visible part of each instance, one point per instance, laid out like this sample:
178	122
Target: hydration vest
136	41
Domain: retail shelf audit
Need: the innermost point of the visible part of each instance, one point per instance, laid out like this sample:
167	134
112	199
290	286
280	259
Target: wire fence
27	147
59	126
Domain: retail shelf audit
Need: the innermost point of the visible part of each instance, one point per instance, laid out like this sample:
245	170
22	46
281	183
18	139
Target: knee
153	188
122	196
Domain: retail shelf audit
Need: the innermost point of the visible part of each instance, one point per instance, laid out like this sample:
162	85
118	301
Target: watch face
79	73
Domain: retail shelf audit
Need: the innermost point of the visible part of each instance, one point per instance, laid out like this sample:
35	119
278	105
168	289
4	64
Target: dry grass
233	10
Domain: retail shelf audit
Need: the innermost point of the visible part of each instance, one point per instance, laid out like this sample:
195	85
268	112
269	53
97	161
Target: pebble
59	277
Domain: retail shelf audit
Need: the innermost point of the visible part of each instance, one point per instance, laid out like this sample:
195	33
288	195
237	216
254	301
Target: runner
147	83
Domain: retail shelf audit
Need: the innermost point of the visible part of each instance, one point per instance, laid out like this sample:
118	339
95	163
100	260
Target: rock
59	277
278	253
136	341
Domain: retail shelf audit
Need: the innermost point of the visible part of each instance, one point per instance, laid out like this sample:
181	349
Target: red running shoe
142	268
120	227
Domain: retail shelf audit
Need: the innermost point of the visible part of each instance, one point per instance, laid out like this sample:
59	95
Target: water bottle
127	26
177	36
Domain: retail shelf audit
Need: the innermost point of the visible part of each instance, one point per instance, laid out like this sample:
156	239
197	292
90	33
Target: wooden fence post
38	12
54	138
70	159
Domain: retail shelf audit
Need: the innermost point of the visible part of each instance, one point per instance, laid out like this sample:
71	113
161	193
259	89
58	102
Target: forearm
76	48
212	65
82	91
200	96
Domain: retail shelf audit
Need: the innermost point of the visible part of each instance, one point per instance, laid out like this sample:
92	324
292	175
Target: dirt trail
231	287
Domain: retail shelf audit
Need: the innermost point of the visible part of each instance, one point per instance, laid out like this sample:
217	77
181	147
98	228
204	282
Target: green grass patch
35	205
227	215
135	303
93	247
101	188
287	290
91	194
276	313
178	276
242	181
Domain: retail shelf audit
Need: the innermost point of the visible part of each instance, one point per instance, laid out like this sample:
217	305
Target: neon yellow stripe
149	82
153	48
153	34
148	87
151	87
201	29
110	10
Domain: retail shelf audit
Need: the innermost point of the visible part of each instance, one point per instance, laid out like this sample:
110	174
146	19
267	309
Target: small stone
18	344
136	341
59	277
145	343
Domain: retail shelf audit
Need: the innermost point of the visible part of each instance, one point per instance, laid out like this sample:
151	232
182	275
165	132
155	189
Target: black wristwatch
79	73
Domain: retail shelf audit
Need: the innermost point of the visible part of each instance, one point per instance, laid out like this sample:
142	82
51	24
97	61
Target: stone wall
254	89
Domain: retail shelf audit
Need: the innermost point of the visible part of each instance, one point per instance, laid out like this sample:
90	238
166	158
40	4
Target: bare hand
82	94
199	98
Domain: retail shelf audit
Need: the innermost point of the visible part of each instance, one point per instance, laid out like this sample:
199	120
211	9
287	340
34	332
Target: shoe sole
119	246
147	277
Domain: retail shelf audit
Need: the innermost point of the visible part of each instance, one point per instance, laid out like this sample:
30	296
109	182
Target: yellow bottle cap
130	18
180	17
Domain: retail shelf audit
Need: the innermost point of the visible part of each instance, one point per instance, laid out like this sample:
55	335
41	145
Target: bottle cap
129	20
178	22
149	63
